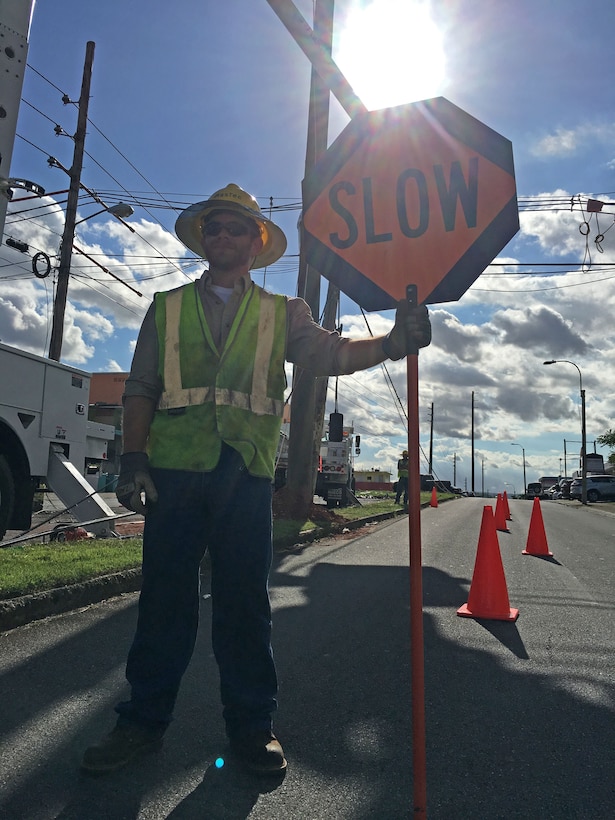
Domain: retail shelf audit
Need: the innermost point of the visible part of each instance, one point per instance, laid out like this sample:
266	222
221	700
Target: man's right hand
135	479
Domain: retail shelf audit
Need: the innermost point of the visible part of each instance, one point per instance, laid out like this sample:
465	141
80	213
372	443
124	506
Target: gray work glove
134	479
411	331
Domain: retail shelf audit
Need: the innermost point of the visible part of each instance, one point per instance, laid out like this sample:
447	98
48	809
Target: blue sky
187	97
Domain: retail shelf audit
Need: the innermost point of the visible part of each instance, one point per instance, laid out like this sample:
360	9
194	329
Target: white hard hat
231	198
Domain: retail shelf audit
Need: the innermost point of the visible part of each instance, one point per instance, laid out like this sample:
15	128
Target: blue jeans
228	512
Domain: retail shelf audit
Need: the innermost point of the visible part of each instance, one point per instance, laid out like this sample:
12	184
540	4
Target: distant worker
202	414
402	478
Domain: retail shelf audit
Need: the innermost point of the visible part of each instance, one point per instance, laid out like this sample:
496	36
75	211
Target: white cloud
491	343
98	302
25	316
568	141
564	141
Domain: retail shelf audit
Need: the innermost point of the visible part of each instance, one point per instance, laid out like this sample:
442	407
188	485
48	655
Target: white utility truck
46	441
335	477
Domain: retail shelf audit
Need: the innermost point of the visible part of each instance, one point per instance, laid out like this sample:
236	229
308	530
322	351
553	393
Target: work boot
260	752
119	747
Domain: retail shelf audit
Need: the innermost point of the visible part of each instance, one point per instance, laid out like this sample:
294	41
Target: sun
391	52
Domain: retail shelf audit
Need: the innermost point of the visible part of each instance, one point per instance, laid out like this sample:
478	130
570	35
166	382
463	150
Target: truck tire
7	496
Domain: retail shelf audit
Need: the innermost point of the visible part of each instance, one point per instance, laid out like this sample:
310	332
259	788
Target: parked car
560	490
552	492
565	488
599	488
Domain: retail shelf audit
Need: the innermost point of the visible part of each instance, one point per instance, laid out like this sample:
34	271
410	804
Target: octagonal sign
418	194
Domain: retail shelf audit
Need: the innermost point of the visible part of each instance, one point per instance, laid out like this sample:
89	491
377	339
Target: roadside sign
420	193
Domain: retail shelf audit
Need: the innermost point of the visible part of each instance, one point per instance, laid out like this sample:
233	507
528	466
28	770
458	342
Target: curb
286	544
16	612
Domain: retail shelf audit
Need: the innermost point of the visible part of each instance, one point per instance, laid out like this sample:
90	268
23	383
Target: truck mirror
357	441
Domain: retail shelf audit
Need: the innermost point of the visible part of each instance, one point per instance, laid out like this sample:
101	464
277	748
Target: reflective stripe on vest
235	395
257	401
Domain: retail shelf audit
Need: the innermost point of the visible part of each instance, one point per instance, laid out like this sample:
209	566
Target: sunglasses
215	228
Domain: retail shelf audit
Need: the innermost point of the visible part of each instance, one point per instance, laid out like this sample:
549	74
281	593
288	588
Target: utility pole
309	394
66	248
430	471
472	441
322	382
565	465
583	445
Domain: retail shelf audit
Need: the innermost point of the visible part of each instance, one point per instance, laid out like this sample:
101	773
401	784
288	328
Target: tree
608	440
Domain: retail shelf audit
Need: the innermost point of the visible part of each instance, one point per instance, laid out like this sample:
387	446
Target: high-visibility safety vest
402	468
235	395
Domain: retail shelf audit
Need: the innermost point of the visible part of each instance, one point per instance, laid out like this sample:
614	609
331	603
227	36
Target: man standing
402	478
202	413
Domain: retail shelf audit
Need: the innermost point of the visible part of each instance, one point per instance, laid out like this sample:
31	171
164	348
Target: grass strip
27	568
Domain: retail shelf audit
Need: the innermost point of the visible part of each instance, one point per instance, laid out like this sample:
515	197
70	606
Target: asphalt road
520	716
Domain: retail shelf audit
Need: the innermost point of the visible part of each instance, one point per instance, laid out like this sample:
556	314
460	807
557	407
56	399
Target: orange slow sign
420	194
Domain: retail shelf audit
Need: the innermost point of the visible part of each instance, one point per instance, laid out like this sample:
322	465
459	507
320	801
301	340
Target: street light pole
583	427
514	444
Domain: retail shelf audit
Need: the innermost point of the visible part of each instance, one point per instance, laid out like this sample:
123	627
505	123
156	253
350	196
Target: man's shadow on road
225	793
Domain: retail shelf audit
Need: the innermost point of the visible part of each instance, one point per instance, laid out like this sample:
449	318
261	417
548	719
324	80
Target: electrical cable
99	165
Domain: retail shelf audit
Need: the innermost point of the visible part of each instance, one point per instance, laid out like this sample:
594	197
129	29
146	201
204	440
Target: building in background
106	390
374	479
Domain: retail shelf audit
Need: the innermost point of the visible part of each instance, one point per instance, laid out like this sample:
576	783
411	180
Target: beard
227	257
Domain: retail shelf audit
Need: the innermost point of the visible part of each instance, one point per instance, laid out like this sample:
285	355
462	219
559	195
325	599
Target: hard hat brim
188	230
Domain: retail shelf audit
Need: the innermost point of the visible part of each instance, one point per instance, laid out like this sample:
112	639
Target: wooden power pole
309	393
66	248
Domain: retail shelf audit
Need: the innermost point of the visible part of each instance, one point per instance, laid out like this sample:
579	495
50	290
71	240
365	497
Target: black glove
411	331
134	479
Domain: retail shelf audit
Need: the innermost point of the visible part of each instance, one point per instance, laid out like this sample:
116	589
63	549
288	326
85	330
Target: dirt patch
129	527
285	508
323	515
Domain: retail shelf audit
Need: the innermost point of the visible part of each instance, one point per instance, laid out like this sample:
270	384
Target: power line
66	101
81	277
42	113
47	80
540	290
164	201
125	158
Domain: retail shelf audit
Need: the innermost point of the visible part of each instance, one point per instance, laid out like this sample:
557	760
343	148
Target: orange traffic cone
506	507
536	538
488	596
434	498
500	515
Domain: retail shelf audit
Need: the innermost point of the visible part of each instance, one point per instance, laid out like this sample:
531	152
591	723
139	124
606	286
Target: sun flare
391	52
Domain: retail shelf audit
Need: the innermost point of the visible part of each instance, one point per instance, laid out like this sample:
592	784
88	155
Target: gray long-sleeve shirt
307	344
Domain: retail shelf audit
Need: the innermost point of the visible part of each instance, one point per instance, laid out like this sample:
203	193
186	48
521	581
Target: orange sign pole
417	655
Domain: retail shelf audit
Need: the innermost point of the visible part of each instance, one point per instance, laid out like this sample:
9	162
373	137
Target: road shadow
504	738
226	792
